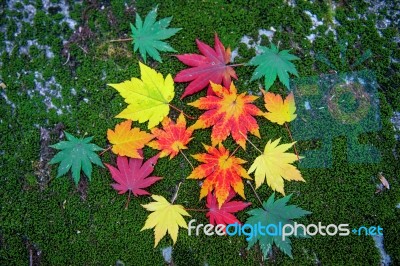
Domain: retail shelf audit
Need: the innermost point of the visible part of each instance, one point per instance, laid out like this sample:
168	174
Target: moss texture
93	228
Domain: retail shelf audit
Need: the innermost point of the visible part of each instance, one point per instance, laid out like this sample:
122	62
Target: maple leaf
275	165
211	66
272	63
133	175
228	113
76	154
221	172
224	215
164	217
172	138
127	141
279	214
148	35
148	99
279	111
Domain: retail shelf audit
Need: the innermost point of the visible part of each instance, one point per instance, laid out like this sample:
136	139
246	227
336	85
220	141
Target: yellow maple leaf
279	111
127	141
148	99
275	165
164	217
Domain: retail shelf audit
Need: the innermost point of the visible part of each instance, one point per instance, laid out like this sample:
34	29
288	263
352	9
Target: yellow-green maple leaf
165	217
147	98
275	165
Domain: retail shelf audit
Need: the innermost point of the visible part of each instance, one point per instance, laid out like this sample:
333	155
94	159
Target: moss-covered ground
55	223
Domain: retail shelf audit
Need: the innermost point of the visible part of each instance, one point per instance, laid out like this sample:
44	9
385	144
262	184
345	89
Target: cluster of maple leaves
226	112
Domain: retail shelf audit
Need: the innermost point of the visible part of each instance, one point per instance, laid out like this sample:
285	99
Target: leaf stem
195	210
235	65
250	142
255	193
187	159
234	152
128	200
105	150
294	145
122	40
181	111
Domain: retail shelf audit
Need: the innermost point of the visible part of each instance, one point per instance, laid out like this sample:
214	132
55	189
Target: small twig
181	111
30	257
187	159
104	151
83	49
250	142
122	40
294	145
66	62
196	210
176	193
128	200
255	193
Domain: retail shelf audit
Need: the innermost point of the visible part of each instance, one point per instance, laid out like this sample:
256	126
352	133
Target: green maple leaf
272	63
275	212
76	154
148	35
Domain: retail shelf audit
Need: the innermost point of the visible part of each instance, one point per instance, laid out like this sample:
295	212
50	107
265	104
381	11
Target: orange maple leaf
279	111
228	113
172	138
127	141
221	172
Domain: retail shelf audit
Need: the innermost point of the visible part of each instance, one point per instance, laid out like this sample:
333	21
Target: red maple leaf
211	66
224	215
132	176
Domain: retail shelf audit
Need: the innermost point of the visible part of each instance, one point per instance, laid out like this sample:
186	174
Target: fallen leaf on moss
274	212
164	217
228	113
274	165
148	99
133	175
224	214
149	36
172	138
383	180
76	154
279	110
127	141
221	172
210	66
272	63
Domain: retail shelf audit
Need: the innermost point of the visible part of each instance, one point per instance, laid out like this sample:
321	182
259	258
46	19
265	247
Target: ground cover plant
56	62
